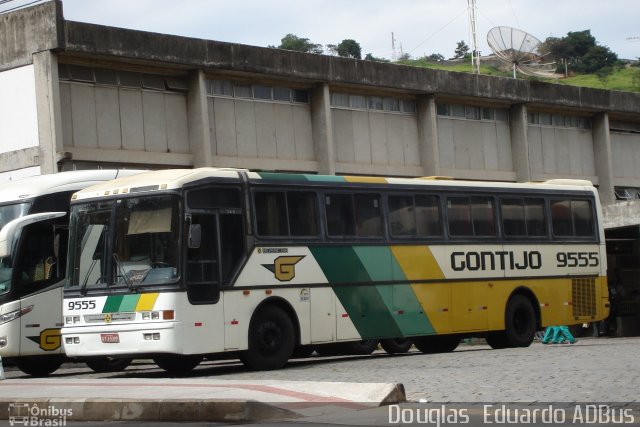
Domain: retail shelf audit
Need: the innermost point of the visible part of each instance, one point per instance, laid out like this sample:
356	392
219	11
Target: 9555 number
81	305
577	259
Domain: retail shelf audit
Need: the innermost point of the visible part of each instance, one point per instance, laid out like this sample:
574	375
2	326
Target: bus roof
176	178
28	188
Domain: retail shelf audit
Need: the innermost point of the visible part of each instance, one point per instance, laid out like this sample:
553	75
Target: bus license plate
110	338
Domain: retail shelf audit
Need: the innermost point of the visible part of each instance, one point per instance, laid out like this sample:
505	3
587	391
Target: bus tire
39	366
302	352
498	340
361	348
107	364
271	340
177	363
396	345
437	343
520	321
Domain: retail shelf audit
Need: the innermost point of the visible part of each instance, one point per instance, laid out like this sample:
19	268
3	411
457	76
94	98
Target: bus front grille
583	292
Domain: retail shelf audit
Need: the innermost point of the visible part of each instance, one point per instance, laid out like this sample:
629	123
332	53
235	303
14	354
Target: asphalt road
593	370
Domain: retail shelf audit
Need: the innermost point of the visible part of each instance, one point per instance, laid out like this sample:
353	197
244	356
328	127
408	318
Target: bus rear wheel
271	340
107	364
39	366
498	340
520	321
396	345
363	347
437	343
177	364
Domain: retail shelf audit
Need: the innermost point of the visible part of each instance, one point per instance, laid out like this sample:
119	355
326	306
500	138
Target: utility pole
475	53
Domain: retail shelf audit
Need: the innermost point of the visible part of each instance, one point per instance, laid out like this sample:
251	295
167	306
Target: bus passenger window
340	216
513	223
482	214
368	215
402	216
428	216
271	213
535	217
459	215
301	207
561	218
582	219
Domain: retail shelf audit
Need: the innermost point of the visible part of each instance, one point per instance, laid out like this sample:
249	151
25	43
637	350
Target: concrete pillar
603	158
519	142
428	135
322	129
198	119
45	66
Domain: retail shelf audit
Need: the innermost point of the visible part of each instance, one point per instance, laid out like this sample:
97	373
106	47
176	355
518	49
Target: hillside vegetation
623	78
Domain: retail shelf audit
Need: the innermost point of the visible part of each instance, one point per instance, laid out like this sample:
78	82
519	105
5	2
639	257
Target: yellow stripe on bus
146	302
366	179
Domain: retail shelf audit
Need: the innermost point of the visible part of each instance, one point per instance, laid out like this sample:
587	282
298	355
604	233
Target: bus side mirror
56	246
195	236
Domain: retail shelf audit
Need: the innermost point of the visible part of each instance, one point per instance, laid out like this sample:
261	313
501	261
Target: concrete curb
211	410
188	400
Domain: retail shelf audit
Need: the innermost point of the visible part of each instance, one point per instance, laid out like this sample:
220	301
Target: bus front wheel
107	364
520	321
271	340
177	363
39	366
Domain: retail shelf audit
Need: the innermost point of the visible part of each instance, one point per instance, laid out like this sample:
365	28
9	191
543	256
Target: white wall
18	113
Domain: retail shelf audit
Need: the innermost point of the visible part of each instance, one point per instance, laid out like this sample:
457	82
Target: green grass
621	79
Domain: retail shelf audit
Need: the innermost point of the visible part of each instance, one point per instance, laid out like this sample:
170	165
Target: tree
434	57
604	74
299	44
349	48
405	57
370	57
580	50
461	50
597	58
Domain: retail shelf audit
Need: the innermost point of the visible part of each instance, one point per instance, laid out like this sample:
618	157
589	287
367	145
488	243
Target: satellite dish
520	50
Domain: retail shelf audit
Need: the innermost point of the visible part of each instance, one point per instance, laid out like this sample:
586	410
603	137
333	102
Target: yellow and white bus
34	224
178	264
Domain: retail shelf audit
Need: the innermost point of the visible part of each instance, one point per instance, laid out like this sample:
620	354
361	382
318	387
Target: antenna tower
394	55
475	53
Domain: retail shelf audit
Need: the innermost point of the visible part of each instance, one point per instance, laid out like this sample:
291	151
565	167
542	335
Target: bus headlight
3	342
151	315
71	320
13	315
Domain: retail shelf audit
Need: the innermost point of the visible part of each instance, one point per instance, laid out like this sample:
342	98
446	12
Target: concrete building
77	95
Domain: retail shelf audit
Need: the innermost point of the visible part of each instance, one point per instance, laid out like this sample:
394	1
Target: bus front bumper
117	340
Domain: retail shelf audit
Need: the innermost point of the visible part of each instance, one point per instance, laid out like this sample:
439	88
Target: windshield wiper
83	288
122	274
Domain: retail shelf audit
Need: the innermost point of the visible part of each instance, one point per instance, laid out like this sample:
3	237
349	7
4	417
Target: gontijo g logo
283	267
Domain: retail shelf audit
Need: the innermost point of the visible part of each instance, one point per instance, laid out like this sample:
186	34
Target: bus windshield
126	242
7	214
10	212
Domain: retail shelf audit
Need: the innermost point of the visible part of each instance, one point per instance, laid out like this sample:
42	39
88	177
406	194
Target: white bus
34	224
179	264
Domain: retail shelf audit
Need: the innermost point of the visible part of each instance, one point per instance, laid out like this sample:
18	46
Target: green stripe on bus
129	303
283	176
364	304
367	311
400	300
112	304
340	264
